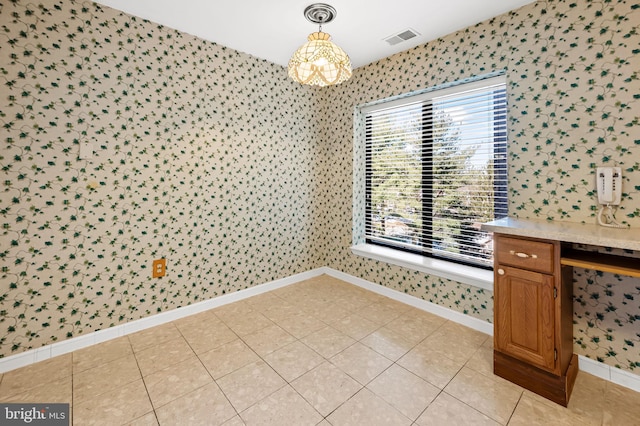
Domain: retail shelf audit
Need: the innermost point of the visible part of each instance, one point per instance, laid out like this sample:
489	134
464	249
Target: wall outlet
159	268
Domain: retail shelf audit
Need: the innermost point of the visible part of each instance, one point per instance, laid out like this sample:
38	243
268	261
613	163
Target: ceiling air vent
401	36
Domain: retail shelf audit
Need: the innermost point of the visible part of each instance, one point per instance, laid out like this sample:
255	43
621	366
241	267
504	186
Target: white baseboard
441	311
60	348
611	374
598	369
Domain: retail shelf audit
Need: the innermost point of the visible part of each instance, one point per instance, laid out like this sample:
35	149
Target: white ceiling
273	30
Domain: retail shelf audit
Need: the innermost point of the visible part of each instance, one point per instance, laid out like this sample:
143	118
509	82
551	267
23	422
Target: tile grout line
207	370
324	359
287	383
515	407
144	383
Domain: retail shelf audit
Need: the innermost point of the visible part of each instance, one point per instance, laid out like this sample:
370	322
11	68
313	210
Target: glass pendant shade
319	62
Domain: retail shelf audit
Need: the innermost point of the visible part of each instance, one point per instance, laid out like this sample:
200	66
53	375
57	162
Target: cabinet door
524	316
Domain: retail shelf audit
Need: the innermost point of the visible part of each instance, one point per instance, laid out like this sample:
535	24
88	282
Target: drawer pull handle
524	255
500	271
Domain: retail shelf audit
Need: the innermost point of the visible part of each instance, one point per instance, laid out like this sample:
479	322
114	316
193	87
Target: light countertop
579	233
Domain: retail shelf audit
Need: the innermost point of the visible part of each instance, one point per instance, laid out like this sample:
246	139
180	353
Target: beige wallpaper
238	176
574	96
203	155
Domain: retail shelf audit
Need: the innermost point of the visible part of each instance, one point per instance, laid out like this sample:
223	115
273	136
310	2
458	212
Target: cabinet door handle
524	255
500	271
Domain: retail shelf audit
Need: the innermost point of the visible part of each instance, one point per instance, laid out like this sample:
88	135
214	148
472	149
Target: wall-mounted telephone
609	186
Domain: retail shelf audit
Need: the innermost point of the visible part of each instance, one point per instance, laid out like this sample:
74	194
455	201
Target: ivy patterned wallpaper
202	155
238	176
574	97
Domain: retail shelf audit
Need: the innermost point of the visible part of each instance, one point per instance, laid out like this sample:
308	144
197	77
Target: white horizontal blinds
436	169
394	175
464	148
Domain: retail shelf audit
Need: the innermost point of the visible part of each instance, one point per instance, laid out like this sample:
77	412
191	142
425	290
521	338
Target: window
436	168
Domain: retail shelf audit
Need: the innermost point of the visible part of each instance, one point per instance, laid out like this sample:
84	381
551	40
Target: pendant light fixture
319	62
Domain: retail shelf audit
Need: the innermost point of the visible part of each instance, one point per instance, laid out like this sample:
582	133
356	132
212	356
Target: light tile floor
320	352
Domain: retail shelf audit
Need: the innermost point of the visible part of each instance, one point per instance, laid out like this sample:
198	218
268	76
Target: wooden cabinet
533	305
533	334
525	306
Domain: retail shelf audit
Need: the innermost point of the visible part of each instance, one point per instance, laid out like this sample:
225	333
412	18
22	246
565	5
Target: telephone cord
609	219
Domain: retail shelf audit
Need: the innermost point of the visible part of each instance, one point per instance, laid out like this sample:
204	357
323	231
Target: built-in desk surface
579	233
569	232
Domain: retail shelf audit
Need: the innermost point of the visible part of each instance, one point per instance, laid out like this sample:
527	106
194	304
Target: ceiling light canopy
319	62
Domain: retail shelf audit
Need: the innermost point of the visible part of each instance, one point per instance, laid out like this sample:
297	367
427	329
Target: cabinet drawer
526	254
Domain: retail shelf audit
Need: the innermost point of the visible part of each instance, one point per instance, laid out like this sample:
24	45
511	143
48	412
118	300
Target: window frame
393	253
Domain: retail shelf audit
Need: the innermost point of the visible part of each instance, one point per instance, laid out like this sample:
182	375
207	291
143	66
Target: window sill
469	275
